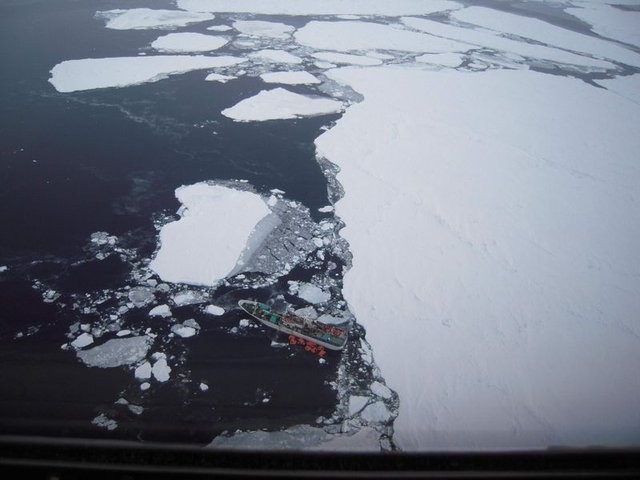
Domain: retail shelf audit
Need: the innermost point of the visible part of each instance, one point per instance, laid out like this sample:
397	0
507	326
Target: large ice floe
92	73
144	18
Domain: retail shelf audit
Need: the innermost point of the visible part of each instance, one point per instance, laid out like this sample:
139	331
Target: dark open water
73	164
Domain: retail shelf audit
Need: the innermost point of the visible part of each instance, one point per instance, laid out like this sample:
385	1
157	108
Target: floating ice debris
82	341
263	29
143	372
218	77
105	422
144	18
116	352
204	245
161	370
346	59
290	78
189	297
275	56
279	104
145	386
160	311
3	268
312	293
326	209
141	296
326	7
123	333
214	310
349	36
103	238
204	387
188	42
191	323
244	323
301	437
92	73
183	331
135	409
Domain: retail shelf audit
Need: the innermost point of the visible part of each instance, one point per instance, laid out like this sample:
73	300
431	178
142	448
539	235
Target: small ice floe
218	77
183	331
161	370
185	42
123	333
307	312
160	311
449	59
290	78
204	387
141	296
326	209
330	319
244	323
258	28
145	386
376	412
214	310
82	341
116	352
357	403
280	104
145	18
381	390
143	372
189	297
346	59
275	56
312	294
3	268
105	422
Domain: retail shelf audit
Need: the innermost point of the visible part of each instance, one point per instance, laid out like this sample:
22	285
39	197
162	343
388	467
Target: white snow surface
547	33
609	21
92	73
346	58
290	78
260	28
280	104
205	244
511	272
184	42
313	7
144	18
357	35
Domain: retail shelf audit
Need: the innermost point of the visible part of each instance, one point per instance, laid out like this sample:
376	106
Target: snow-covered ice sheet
442	59
313	7
609	21
356	35
495	261
346	58
188	42
260	28
290	78
546	33
492	40
627	87
205	244
280	104
144	18
92	73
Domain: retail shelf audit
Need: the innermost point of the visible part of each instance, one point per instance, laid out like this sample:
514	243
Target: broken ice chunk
376	413
141	296
82	341
381	390
116	352
161	370
214	310
312	294
189	297
357	403
183	331
160	311
105	422
143	372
